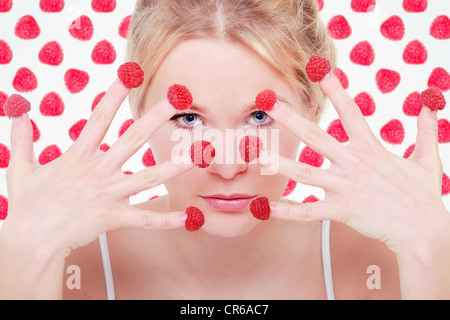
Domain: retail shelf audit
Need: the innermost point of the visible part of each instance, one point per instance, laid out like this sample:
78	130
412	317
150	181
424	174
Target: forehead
218	73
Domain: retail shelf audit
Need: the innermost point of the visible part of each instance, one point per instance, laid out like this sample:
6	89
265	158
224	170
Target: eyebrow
247	107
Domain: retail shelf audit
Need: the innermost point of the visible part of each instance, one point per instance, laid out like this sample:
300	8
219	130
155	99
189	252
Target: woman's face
224	79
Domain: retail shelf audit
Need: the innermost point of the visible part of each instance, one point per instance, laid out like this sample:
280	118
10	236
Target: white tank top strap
110	295
326	259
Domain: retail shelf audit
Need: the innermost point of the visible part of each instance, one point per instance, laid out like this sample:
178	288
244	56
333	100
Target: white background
77	54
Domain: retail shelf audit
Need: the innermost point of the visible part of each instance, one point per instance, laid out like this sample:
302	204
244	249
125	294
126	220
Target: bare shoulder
83	275
363	268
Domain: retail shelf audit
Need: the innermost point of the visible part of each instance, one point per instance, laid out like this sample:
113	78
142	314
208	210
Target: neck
267	247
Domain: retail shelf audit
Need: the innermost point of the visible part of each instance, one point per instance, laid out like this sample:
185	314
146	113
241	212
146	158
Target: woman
389	232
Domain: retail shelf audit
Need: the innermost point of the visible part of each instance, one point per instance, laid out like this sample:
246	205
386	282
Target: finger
140	218
152	176
304	173
310	133
302	212
22	150
100	120
349	113
138	134
426	149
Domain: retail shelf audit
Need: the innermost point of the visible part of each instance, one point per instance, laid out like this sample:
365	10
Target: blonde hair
285	33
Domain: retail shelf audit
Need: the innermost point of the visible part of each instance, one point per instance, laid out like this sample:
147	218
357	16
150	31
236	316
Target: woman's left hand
379	194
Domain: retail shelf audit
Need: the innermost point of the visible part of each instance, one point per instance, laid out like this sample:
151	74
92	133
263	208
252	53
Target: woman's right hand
69	202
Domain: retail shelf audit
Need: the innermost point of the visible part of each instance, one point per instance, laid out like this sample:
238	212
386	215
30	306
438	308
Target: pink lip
234	202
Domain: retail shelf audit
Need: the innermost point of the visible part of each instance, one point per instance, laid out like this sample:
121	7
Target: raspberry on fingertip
131	75
16	105
318	68
179	97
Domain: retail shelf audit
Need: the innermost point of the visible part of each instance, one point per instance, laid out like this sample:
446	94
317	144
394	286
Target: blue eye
185	120
260	119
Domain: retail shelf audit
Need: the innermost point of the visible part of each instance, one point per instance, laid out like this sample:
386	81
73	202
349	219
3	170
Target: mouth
233	202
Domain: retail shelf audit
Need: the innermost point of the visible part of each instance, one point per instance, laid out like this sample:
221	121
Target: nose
227	163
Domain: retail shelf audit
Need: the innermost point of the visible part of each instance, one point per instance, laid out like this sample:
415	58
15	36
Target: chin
229	224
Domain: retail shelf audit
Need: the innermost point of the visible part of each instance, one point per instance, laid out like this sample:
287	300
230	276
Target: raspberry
195	219
52	5
202	153
5	5
103	53
75	130
362	5
97	99
310	199
131	75
290	187
250	148
27	28
179	97
36	132
3	97
393	132
3	208
439	78
433	98
415	5
393	28
445	184
336	130
25	80
104	147
49	154
443	131
51	54
409	151
103	5
362	54
415	53
5	53
260	208
16	105
317	68
265	100
440	28
148	160
339	28
412	104
309	156
124	127
320	4
5	156
387	80
342	77
365	103
76	80
124	27
52	105
82	28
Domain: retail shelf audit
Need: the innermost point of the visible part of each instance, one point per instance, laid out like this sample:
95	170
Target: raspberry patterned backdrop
63	55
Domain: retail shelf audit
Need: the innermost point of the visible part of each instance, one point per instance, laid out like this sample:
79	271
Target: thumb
426	150
21	138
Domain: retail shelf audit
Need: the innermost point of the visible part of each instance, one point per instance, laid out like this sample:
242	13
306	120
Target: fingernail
18	119
273	207
184	217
